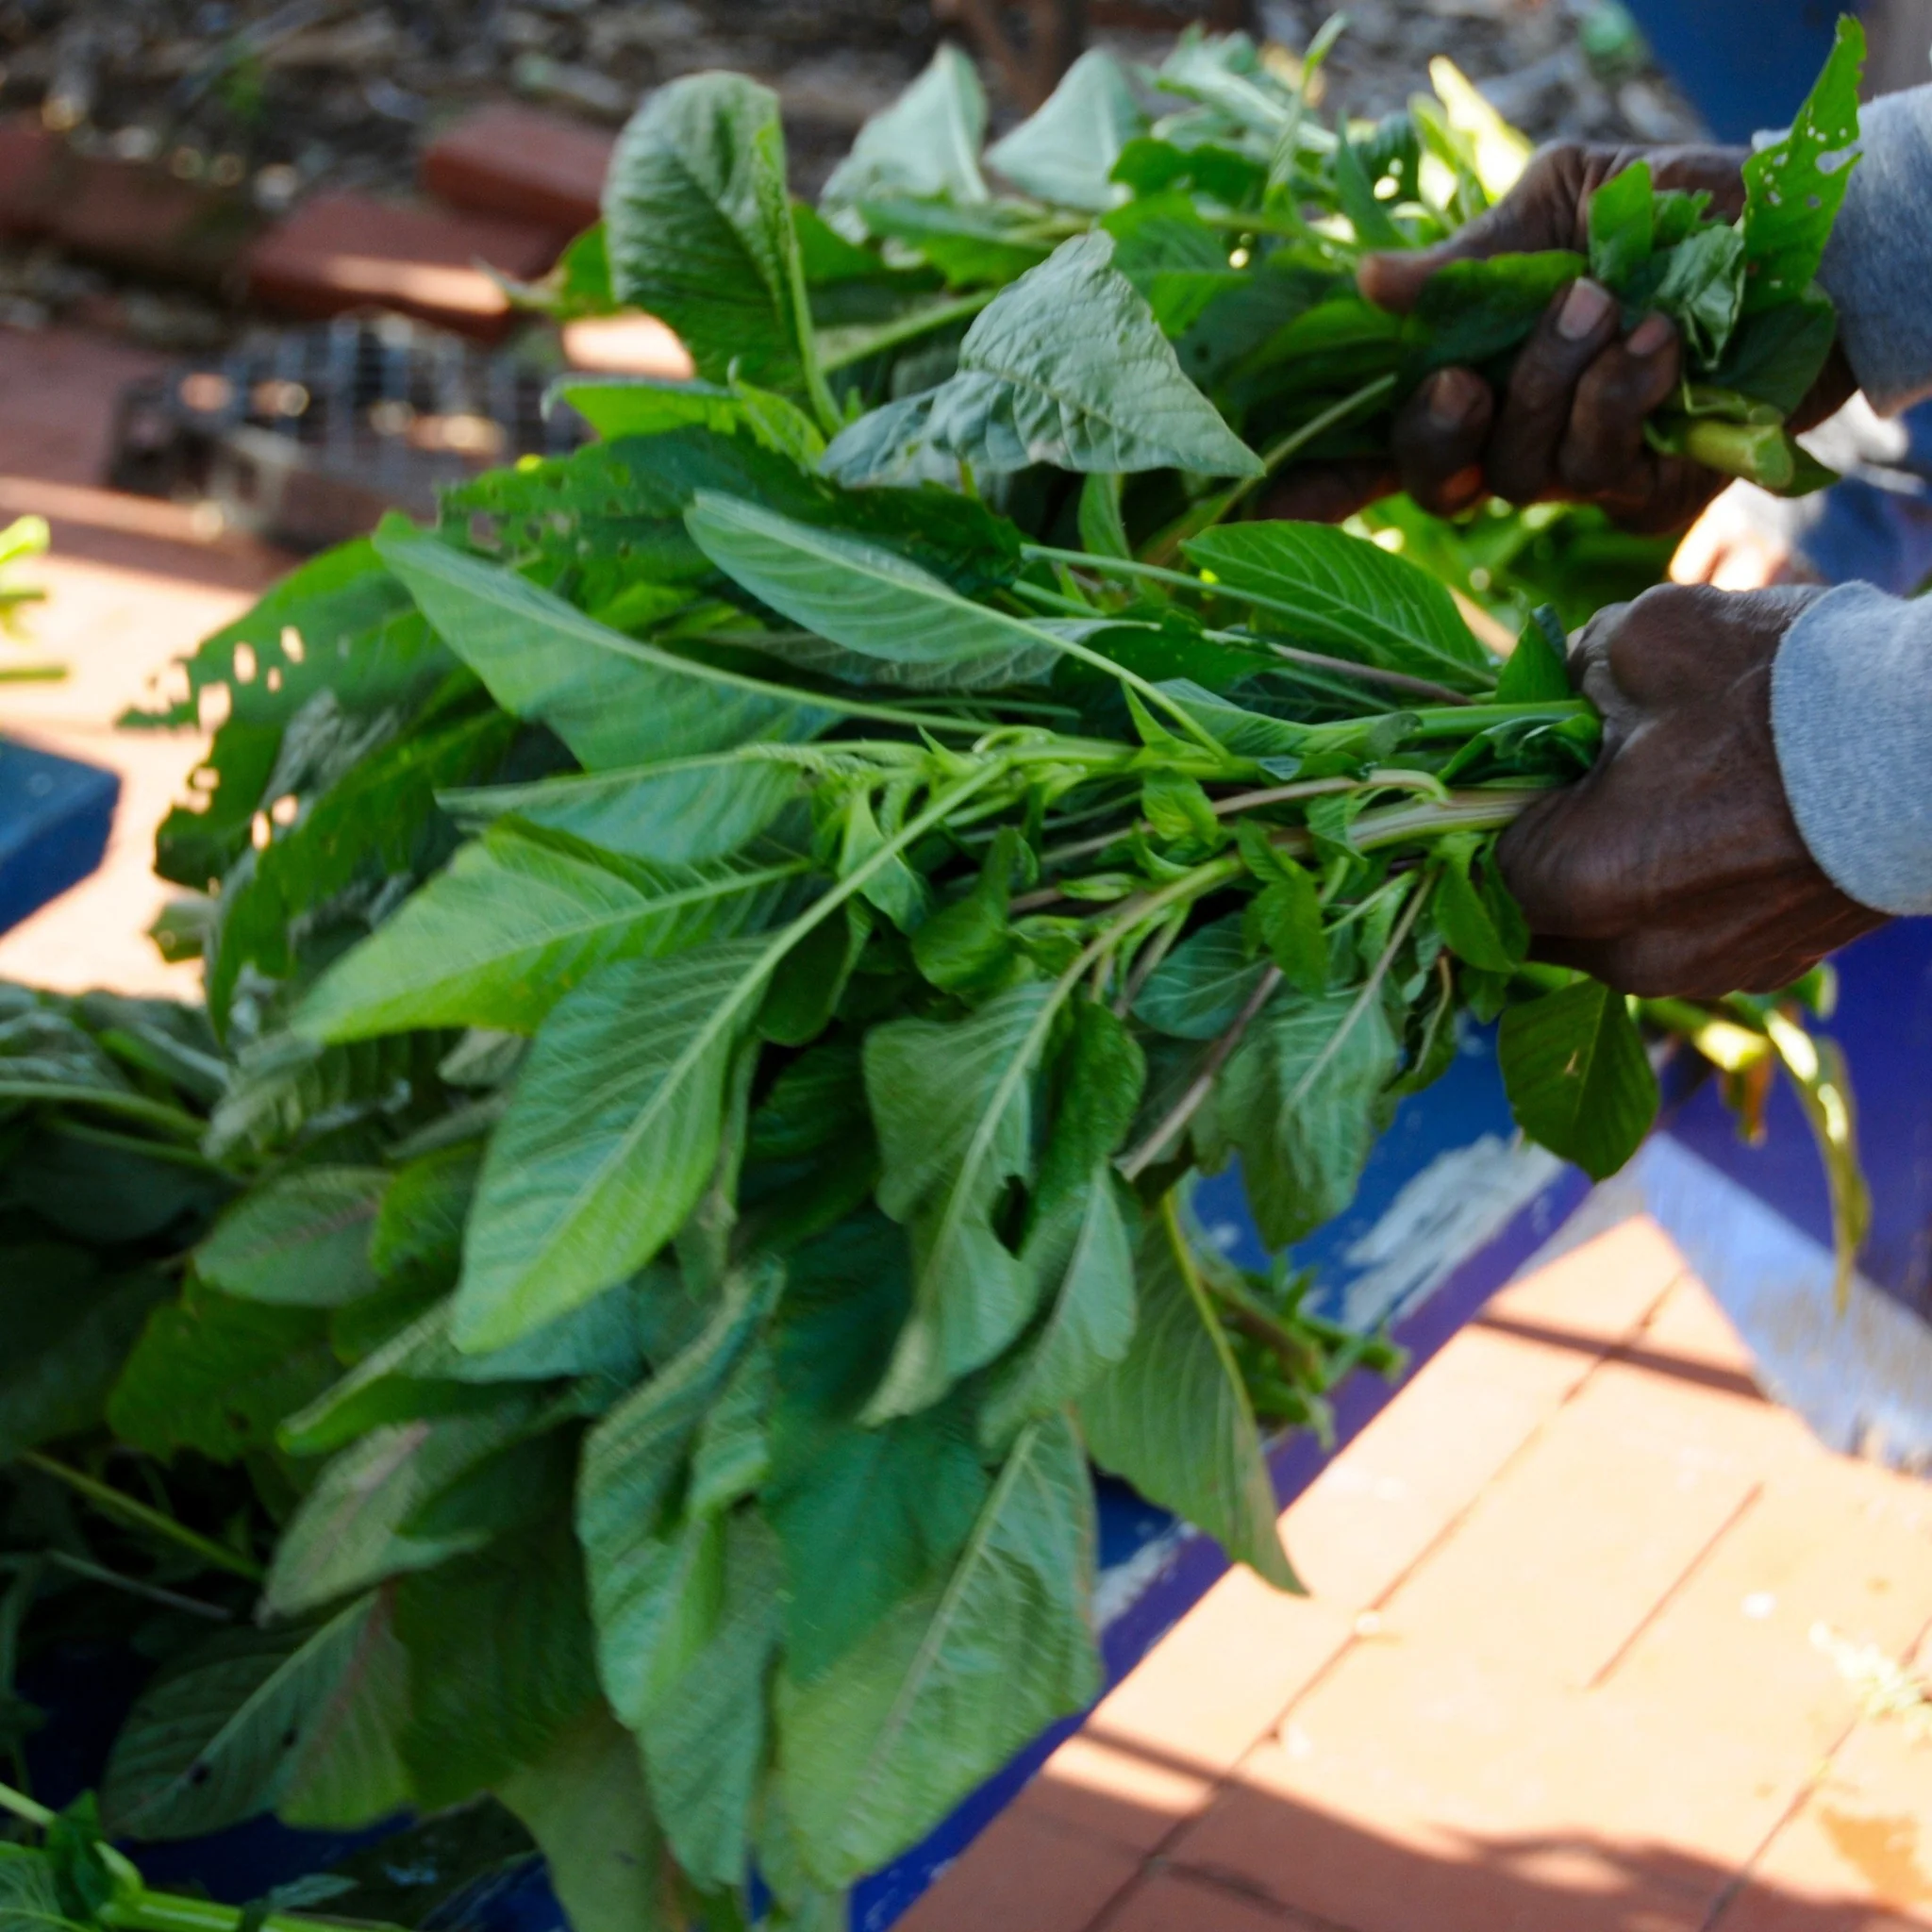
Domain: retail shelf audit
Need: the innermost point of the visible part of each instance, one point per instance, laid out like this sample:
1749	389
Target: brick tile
1181	1902
1856	1856
340	252
1387	1497
1416	1789
133	216
1024	1874
505	159
28	153
1569	1550
1151	1753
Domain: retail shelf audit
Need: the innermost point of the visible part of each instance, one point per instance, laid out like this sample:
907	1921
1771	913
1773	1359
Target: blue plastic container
55	817
1746	64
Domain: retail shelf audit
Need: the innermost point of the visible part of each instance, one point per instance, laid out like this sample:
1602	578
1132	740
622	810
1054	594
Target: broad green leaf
293	1719
1200	989
704	1736
1348	596
1473	310
732	1457
216	1375
348	1533
69	1325
680	812
698	229
418	1372
1067	151
1478	919
953	1106
970	244
1794	188
301	1241
419	1228
620	405
868	599
1537	671
1578	1079
585	1803
30	1897
1297	1098
1777	355
926	143
632	1461
955	1679
1622	224
1174	1418
501	1664
1703	289
1068	367
611	1137
1077	1243
518	922
614	701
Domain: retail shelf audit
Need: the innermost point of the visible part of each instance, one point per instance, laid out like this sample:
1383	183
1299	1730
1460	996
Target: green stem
909	330
153	1593
1466	720
33	674
134	1107
111	1502
24	1807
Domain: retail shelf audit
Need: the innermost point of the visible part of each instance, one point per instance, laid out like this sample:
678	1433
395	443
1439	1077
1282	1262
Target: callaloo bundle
732	949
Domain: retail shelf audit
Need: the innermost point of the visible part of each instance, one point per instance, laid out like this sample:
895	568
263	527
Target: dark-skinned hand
1675	867
1569	423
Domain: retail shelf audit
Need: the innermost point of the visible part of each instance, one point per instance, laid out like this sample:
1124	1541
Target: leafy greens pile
727	954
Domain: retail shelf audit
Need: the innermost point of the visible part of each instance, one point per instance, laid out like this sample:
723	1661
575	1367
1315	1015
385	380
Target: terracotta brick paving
1557	1672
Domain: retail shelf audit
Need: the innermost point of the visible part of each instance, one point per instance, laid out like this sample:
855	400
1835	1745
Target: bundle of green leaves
729	973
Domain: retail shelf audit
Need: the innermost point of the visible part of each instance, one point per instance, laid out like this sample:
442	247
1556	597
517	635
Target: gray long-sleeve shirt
1852	687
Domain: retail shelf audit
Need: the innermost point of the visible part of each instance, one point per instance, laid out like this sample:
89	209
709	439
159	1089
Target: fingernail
1452	398
1650	335
1584	310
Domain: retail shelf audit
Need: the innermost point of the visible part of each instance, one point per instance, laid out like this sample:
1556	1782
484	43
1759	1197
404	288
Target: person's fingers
1438	441
1601	455
1530	218
1328	492
1579	324
1564	867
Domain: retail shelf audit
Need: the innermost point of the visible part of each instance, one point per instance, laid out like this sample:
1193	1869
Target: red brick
1180	1902
341	252
1024	1874
132	216
28	153
1152	1752
533	167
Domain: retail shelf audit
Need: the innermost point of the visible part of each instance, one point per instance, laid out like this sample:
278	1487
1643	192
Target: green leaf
585	1803
956	1678
1578	1079
732	1457
1285	917
704	1736
953	1105
1473	310
680	812
1794	188
868	599
970	244
1348	596
614	701
926	143
699	231
348	1532
1067	367
1479	919
1297	1099
1066	152
623	406
1076	1241
1703	289
1537	671
611	1137
1102	533
1622	224
419	1228
632	1462
1174	1418
501	1664
216	1375
1777	355
518	922
298	1720
1197	992
69	1325
30	1895
301	1241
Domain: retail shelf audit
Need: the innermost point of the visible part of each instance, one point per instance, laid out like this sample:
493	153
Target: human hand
1569	423
1675	867
1741	543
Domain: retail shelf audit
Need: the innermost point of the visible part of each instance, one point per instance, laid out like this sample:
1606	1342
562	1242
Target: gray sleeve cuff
1878	266
1851	707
